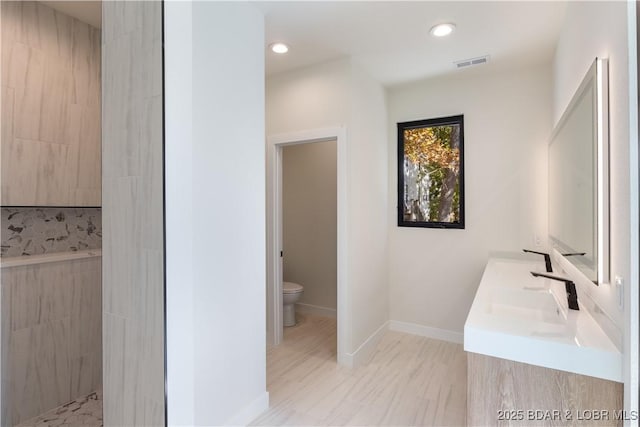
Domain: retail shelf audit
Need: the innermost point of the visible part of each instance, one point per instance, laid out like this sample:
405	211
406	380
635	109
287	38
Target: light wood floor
410	381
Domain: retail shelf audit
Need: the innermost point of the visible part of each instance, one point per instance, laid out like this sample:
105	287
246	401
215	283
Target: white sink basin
515	316
539	306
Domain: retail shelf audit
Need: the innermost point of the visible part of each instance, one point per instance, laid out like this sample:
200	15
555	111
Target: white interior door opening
275	145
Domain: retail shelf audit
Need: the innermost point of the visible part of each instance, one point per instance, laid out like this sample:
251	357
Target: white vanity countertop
516	316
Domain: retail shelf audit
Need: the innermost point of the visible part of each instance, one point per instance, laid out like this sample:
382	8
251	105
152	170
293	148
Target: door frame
275	144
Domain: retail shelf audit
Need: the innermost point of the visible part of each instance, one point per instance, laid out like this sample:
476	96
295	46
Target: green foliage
430	148
456	201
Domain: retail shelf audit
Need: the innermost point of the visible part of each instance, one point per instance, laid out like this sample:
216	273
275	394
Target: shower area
81	215
51	216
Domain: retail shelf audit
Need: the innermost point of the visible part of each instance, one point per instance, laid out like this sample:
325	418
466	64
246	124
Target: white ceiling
391	39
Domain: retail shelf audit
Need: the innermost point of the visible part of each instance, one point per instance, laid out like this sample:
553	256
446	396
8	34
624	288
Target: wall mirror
579	178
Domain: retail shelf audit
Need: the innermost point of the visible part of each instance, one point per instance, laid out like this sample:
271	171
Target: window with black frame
431	173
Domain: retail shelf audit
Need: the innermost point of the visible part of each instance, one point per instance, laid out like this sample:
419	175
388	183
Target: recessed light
279	48
442	30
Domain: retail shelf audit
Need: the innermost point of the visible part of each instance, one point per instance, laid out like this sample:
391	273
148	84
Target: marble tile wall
54	328
132	209
50	92
50	151
5	333
34	231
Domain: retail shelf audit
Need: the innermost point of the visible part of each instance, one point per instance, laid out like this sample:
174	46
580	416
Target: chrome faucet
547	259
570	287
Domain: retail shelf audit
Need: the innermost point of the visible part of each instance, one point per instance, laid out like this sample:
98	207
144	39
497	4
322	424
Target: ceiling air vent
471	62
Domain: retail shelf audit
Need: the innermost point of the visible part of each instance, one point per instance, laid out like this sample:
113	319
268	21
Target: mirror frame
598	73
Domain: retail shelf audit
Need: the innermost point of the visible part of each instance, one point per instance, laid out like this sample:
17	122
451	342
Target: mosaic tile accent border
34	231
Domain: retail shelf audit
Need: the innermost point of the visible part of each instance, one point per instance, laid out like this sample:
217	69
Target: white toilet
291	293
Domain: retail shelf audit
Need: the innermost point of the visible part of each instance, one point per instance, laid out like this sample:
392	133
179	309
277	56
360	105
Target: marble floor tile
82	412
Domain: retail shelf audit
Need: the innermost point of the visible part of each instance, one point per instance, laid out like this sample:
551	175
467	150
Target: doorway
275	236
309	232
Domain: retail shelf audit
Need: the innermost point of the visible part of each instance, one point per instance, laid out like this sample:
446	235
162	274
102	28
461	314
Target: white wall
309	218
338	94
179	249
434	273
308	98
368	194
599	29
220	156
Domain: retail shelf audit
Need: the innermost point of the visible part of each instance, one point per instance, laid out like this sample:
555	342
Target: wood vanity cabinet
506	393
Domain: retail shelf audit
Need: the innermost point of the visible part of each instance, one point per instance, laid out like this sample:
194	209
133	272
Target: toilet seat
291	288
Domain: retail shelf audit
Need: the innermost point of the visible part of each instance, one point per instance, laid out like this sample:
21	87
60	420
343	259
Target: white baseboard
250	412
426	331
315	309
363	353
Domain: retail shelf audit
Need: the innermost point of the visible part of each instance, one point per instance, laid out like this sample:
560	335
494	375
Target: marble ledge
17	261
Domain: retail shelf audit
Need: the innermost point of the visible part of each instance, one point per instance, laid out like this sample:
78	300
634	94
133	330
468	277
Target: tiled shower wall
54	330
35	231
50	108
51	156
51	312
133	246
